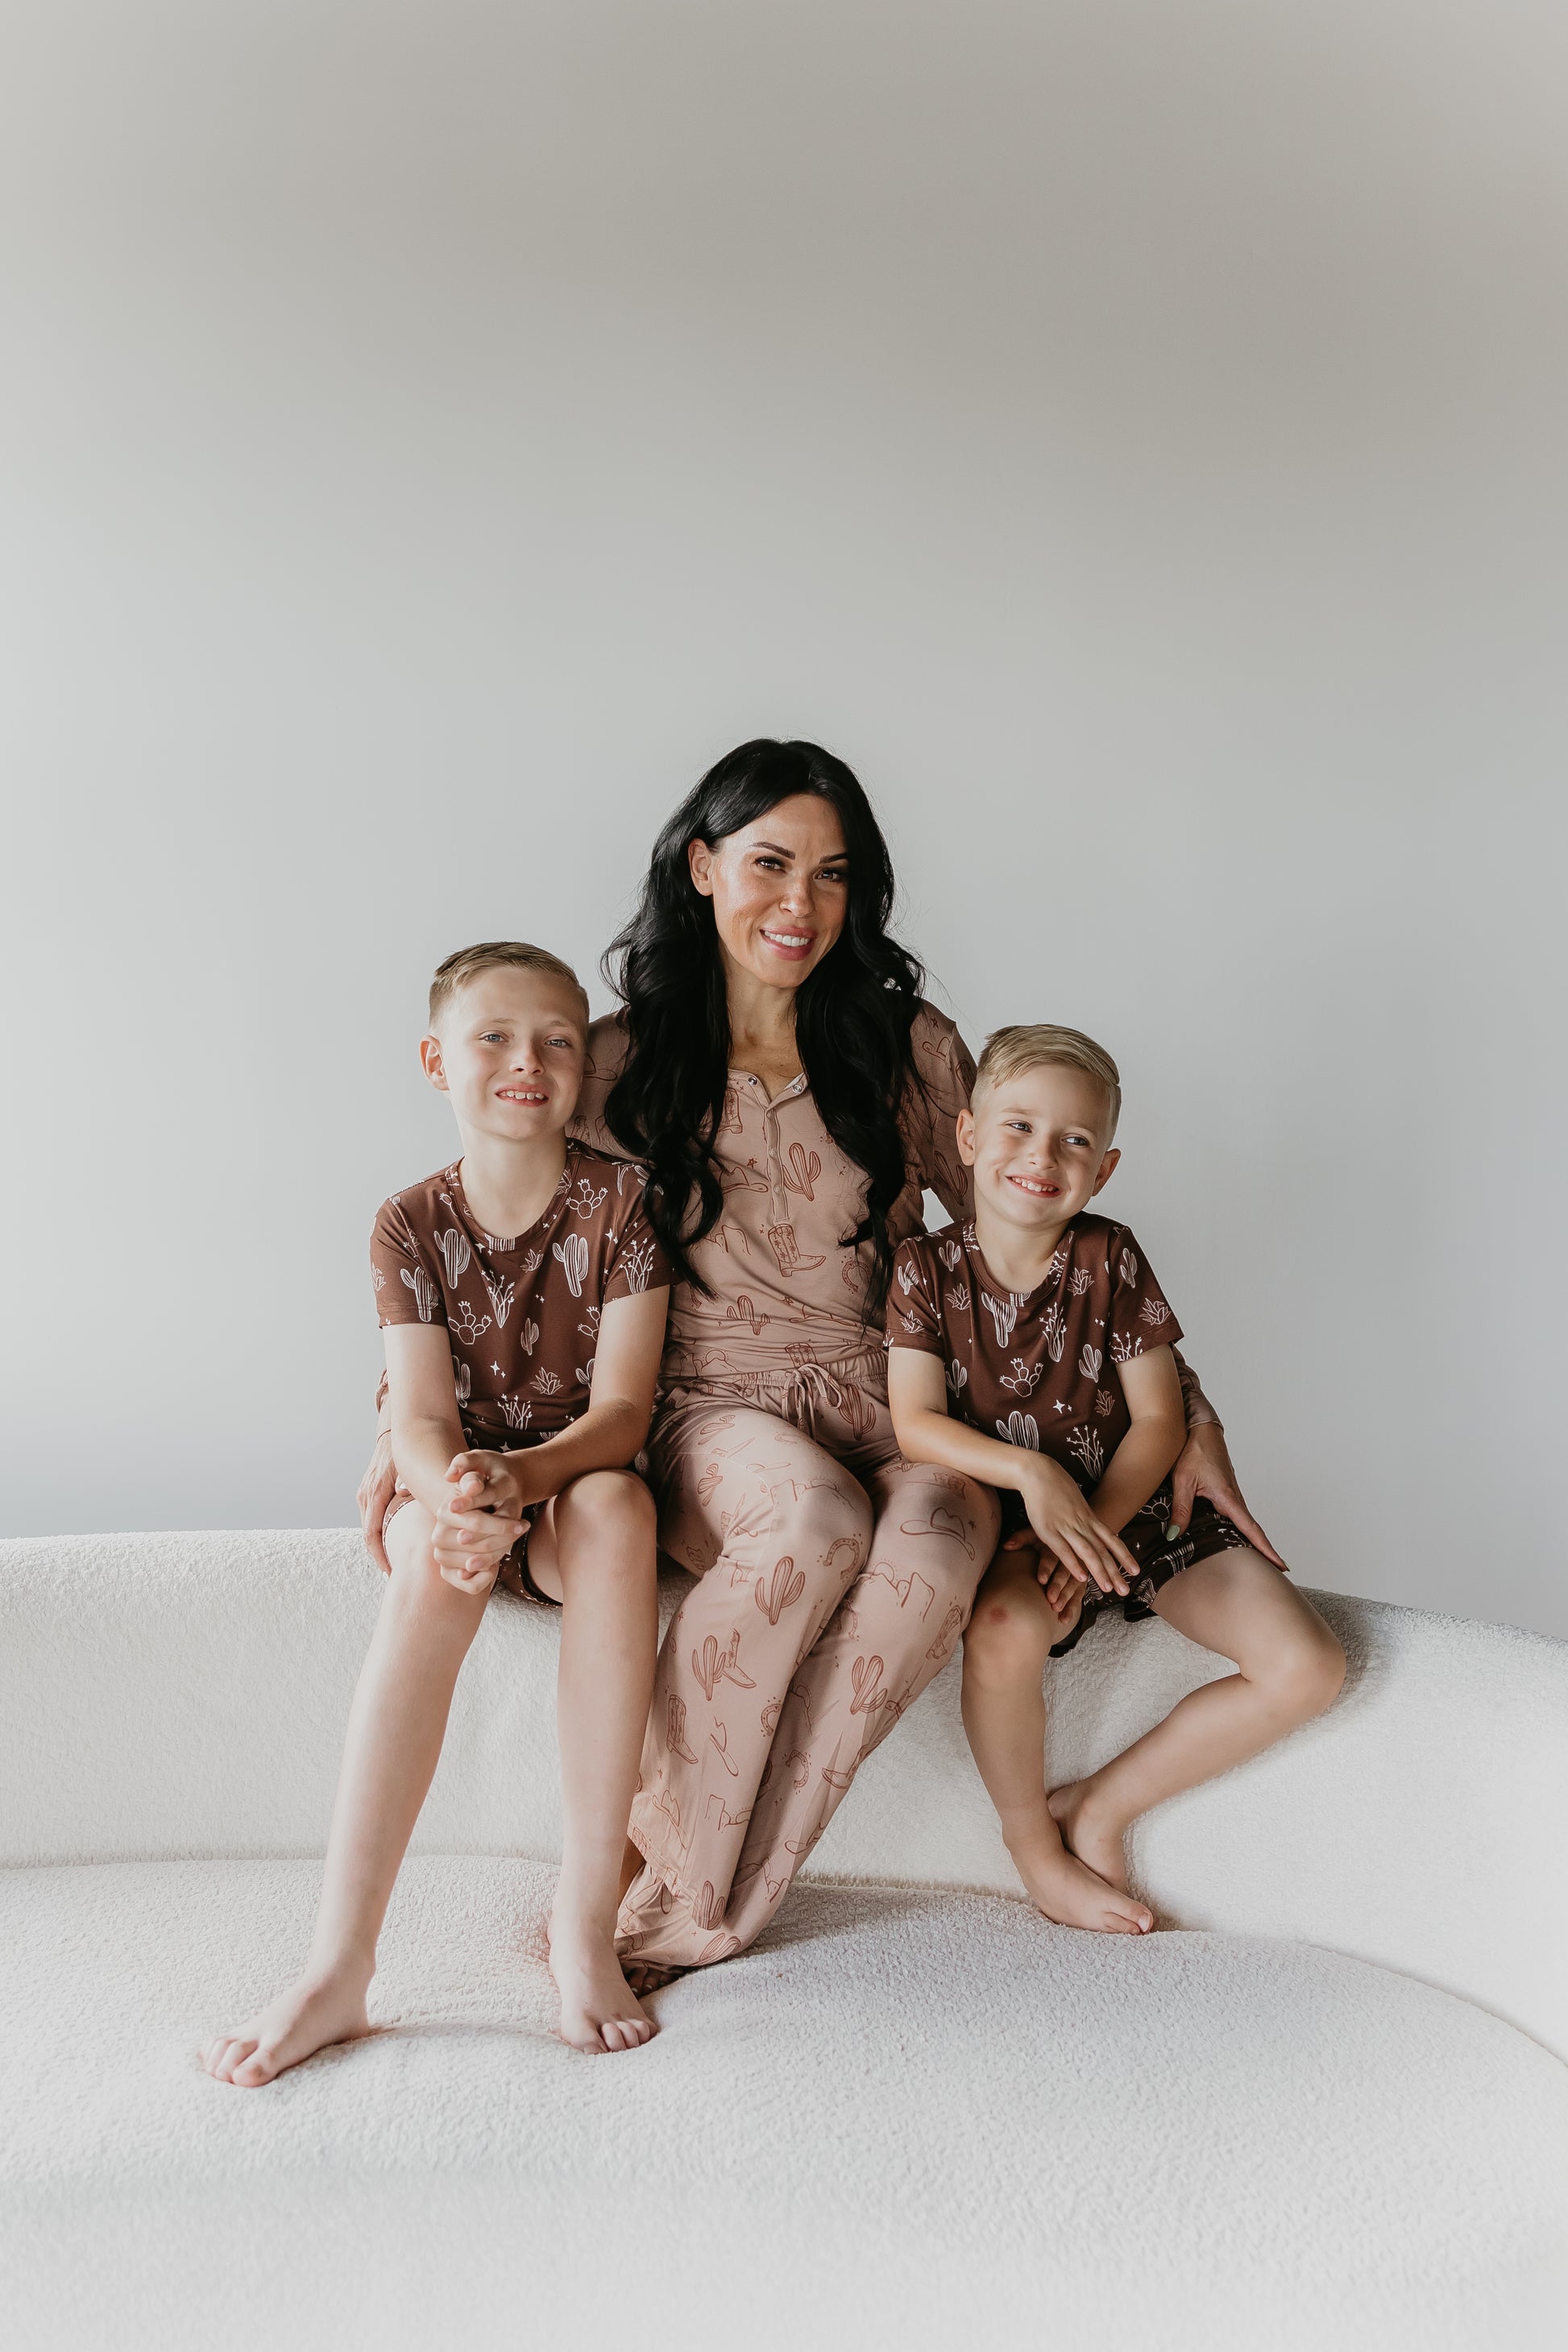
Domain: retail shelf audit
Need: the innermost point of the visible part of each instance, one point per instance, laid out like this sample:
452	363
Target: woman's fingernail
1172	1532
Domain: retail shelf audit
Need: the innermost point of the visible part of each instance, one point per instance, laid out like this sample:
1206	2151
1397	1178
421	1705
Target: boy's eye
493	1037
567	1042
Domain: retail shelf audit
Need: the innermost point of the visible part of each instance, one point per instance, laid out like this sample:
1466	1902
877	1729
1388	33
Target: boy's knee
1006	1638
1308	1674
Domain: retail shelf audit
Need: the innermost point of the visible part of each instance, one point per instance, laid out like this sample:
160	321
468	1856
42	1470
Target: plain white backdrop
1132	435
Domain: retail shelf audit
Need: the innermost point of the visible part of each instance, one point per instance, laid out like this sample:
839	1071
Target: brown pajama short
1158	1561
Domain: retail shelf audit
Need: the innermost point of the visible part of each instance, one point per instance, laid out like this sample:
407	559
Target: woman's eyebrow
777	849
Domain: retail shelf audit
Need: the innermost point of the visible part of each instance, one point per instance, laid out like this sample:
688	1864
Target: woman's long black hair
853	1013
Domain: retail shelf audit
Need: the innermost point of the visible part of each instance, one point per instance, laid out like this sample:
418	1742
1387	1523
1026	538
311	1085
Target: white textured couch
1331	2112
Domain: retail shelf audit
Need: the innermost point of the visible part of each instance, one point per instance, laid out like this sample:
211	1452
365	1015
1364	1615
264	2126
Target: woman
793	1097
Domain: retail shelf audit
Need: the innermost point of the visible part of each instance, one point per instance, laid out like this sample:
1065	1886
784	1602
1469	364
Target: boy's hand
1061	1518
480	1520
469	1546
489	1482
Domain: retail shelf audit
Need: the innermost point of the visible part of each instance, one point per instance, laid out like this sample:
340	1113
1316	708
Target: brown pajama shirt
520	1310
1038	1369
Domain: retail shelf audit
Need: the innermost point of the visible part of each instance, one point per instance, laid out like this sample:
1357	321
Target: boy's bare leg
595	1549
397	1725
1004	1651
1291	1668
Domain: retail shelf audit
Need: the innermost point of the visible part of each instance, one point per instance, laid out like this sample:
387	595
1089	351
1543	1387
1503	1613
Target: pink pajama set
834	1578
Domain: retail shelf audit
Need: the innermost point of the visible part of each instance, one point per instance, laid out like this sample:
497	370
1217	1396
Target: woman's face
780	888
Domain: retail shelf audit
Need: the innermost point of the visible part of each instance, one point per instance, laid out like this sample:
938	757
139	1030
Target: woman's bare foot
1095	1842
599	2011
308	2017
1068	1892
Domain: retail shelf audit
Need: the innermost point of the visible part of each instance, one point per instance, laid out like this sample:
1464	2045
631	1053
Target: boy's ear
430	1061
964	1131
1106	1171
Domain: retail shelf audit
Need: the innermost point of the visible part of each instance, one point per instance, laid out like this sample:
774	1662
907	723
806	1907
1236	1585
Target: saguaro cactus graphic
783	1591
801	1169
714	1666
573	1254
1004	1313
424	1289
455	1253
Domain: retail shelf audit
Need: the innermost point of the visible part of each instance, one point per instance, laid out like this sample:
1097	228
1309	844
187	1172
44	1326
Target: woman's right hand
1061	1519
376	1489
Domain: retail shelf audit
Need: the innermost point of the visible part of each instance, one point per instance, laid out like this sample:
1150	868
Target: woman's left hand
1204	1468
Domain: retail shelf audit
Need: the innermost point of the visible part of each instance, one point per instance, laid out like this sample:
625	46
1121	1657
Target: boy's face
1039	1145
509	1046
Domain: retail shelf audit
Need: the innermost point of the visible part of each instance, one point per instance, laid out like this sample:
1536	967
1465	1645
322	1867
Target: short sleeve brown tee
1034	1369
521	1311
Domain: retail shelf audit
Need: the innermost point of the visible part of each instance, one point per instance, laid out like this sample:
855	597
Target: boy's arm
615	1427
1059	1512
426	1431
1152	1388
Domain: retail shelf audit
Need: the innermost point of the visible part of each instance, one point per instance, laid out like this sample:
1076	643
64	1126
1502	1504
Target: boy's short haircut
1030	1044
469	963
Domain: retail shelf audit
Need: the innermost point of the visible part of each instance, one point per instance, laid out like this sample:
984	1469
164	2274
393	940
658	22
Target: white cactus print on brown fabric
513	1308
1098	1307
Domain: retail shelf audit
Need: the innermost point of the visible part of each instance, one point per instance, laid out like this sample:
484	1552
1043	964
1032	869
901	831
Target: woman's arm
1058	1512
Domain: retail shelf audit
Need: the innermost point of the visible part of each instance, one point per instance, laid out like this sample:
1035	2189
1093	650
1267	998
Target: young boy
522	1294
1032	1349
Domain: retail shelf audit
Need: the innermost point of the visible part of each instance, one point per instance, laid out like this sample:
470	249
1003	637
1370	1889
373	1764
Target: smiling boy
521	1296
1034	1349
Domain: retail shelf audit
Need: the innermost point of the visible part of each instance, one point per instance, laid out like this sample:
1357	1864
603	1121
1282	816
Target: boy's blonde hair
1030	1044
469	963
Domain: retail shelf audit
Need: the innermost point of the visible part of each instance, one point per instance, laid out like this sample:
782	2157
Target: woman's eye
770	865
829	873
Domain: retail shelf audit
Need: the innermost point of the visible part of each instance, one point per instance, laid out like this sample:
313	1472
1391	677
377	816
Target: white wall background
1131	432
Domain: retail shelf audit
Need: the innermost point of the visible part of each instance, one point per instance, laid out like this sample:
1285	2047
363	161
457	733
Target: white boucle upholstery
913	2117
186	1694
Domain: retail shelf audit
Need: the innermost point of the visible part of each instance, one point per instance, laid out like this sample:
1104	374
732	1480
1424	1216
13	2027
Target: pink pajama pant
834	1580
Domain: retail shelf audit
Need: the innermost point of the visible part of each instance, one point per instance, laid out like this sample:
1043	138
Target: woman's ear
964	1131
700	860
430	1061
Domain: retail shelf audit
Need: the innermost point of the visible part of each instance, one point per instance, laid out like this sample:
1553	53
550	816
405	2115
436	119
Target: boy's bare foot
308	2017
599	2011
1095	1842
1068	1892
